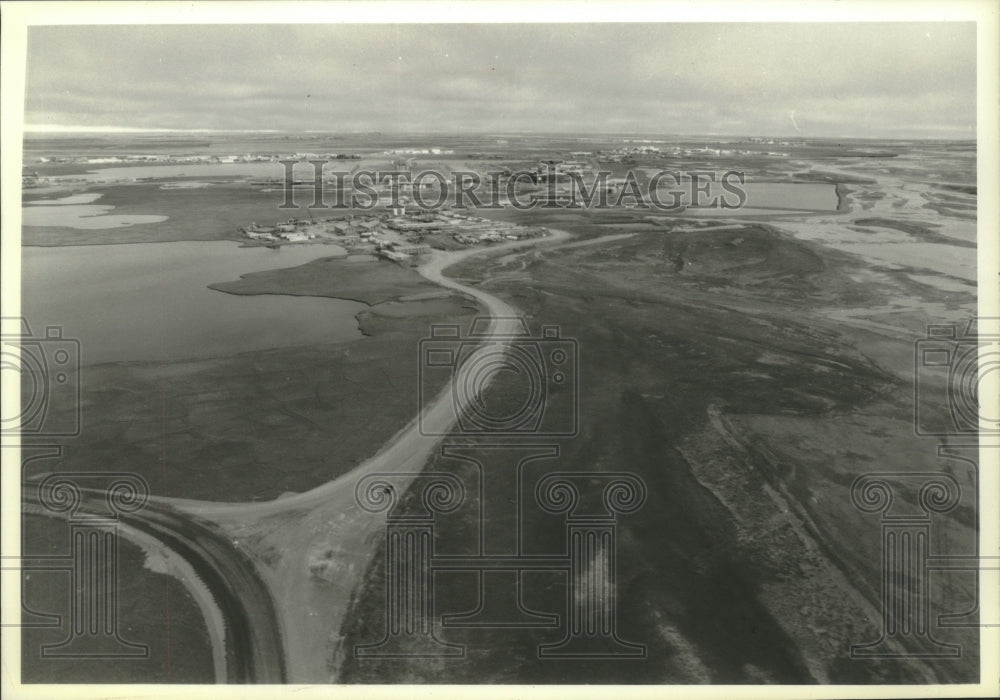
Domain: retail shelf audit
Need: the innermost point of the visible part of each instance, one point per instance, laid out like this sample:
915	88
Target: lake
264	170
149	301
761	196
79	211
83	216
812	196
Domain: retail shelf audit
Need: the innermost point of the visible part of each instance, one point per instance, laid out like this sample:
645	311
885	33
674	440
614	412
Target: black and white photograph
501	344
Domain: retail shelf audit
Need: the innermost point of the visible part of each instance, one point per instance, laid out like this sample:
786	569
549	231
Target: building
295	236
404	225
411	248
258	235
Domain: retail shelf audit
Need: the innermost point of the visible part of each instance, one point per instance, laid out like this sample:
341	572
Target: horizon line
112	130
63	129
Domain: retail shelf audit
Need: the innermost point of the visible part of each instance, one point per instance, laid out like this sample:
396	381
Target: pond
149	301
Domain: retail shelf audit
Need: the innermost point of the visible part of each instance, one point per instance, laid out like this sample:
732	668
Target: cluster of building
291	231
559	169
633	151
394	235
722	152
629	152
420	152
169	159
398	251
773	142
462	228
37	180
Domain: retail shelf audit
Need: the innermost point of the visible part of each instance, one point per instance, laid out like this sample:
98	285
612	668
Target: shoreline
346	527
436	269
843	198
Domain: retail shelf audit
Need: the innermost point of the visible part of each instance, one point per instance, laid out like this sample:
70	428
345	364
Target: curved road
408	449
281	622
254	651
326	528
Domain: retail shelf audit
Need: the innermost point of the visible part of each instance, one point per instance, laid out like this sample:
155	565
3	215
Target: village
394	234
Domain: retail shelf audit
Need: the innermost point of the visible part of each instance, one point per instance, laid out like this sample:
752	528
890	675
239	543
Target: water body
149	301
945	284
84	216
77	211
805	196
761	196
814	196
84	198
946	259
264	169
889	248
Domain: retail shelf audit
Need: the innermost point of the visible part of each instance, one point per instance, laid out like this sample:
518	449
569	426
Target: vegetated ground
259	424
359	278
152	609
708	369
209	213
249	427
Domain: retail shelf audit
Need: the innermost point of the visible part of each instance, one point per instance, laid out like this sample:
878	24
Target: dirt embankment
921	233
733	570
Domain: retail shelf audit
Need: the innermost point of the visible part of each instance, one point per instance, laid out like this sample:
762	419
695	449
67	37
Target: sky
875	80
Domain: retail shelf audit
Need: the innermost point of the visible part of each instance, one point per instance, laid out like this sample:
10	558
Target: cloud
857	79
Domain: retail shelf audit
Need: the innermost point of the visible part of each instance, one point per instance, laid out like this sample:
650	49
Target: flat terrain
746	368
154	609
259	424
359	278
706	371
202	214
